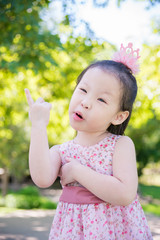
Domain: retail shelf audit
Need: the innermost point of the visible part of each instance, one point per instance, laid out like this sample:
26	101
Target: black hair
129	88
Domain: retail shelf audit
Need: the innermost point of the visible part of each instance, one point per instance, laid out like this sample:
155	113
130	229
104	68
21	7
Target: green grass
152	208
153	192
26	198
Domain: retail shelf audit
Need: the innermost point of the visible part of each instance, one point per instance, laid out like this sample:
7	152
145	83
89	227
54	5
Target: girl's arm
44	164
119	189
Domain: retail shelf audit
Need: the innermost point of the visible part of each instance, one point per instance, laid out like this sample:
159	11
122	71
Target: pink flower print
62	152
90	233
107	206
110	232
105	223
131	210
100	162
75	156
106	145
92	222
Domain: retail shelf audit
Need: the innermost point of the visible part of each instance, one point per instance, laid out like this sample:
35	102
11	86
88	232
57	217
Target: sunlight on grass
152	208
153	192
5	210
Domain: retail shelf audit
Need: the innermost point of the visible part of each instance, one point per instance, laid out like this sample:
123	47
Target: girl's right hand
39	111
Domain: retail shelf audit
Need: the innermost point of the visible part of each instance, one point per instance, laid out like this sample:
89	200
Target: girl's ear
120	117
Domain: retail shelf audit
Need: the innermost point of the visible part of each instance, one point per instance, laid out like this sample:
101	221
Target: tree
144	126
31	56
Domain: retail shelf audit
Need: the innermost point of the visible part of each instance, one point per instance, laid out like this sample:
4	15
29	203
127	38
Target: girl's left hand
67	171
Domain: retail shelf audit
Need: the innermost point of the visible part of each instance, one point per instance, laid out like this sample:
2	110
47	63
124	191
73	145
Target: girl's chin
76	128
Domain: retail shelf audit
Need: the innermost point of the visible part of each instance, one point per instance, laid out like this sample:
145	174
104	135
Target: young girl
97	168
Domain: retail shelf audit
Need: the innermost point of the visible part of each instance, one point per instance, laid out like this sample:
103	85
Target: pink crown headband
128	57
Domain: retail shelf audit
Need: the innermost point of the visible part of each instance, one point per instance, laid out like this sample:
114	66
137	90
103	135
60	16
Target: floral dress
99	221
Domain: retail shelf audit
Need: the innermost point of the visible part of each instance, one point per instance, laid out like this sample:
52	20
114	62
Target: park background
44	45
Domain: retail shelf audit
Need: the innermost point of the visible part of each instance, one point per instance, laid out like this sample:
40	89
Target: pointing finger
29	98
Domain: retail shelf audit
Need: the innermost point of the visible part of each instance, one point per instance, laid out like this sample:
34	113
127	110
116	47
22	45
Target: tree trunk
4	177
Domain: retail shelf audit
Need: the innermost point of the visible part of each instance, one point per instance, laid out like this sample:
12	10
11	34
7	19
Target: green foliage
24	45
29	190
144	125
28	198
21	201
147	142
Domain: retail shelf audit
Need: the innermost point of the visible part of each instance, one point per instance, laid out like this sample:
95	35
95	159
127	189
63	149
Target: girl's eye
101	100
83	90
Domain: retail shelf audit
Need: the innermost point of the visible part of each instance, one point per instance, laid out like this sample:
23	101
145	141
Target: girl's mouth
77	116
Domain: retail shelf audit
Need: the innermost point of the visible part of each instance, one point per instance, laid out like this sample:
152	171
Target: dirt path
35	225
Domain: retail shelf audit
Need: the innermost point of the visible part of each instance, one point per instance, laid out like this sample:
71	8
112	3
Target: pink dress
100	221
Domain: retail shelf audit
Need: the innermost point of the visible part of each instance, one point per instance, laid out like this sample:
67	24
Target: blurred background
44	45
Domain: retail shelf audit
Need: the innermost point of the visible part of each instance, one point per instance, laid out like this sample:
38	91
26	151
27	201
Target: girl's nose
86	104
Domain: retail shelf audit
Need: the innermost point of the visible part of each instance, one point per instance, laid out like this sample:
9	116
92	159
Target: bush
28	198
29	190
14	200
47	204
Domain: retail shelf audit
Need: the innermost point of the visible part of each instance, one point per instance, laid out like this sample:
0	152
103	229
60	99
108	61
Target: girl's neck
89	139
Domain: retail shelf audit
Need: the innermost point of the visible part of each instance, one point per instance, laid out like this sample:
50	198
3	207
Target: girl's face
95	102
